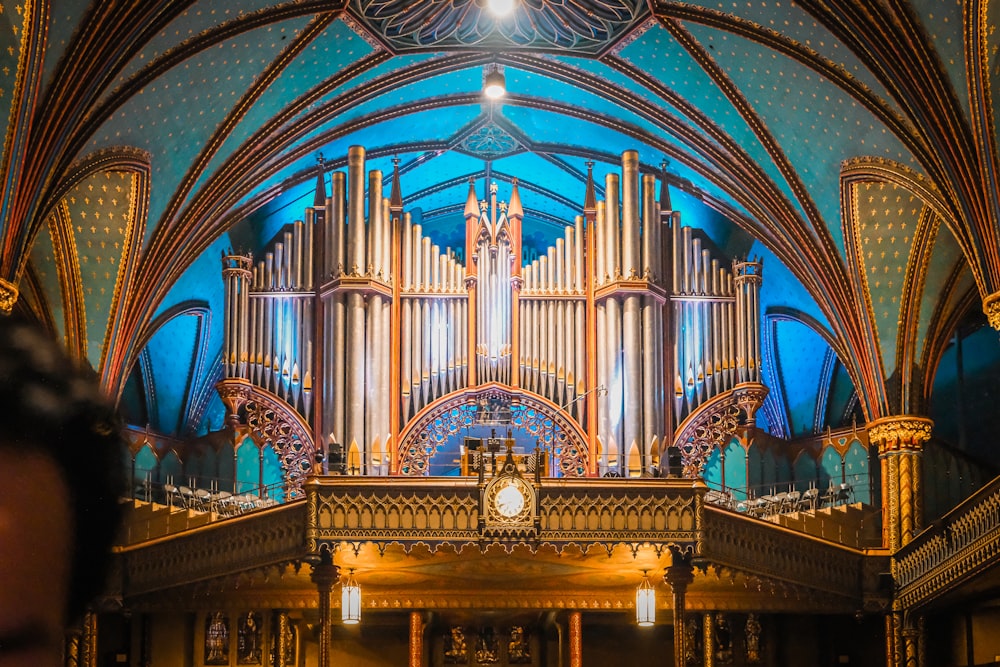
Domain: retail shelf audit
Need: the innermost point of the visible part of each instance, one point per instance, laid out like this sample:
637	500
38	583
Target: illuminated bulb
495	86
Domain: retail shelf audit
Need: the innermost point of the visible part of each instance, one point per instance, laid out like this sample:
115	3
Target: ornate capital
234	393
900	434
991	306
8	296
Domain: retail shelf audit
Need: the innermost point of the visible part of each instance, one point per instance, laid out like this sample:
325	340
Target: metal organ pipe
638	270
334	368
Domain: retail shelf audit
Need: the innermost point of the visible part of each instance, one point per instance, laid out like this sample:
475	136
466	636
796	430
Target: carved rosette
8	296
991	306
556	431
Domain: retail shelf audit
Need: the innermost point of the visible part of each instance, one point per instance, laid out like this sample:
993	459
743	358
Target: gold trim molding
8	296
900	434
991	306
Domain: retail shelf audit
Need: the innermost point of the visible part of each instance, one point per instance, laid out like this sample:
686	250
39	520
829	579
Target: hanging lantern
645	603
350	601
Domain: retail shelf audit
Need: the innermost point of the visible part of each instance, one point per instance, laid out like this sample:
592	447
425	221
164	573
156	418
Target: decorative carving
490	142
555	429
903	433
707	428
248	649
220	549
217	639
8	296
487	647
456	650
544	24
518	648
752	631
273	421
939	560
731	541
991	306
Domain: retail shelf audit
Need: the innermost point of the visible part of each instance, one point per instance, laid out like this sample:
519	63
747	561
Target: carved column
678	576
416	639
71	650
900	442
88	644
708	638
325	574
282	644
575	639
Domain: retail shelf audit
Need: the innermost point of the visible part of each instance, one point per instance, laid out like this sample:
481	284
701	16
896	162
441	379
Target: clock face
510	500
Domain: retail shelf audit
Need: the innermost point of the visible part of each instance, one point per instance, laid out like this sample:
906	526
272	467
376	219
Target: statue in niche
248	651
217	639
691	642
753	639
723	641
456	651
518	649
487	647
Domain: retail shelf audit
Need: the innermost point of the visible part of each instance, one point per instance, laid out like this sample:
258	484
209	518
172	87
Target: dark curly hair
54	406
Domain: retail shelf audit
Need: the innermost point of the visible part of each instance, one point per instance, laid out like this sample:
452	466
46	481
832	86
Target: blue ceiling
758	111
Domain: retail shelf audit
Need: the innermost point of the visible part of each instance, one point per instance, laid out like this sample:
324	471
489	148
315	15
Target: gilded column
88	641
678	576
708	638
575	639
900	442
416	639
325	574
283	636
71	650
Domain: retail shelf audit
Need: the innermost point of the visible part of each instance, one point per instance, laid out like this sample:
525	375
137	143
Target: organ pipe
626	299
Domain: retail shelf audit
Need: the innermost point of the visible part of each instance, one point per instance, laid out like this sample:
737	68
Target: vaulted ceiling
850	144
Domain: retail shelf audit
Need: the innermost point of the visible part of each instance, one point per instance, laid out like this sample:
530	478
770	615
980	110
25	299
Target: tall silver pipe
631	267
356	258
631	376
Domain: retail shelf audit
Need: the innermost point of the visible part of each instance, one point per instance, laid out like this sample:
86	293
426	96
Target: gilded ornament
8	296
904	433
991	306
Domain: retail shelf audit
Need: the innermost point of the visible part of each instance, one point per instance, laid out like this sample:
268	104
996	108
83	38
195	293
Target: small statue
217	639
723	641
518	650
487	647
753	639
455	649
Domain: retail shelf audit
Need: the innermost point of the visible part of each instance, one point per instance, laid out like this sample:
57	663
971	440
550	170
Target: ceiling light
501	7
494	85
350	601
645	603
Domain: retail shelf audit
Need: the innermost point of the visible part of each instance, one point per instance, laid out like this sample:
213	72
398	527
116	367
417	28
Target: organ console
357	329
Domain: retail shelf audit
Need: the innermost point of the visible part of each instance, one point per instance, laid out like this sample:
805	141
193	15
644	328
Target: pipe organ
625	333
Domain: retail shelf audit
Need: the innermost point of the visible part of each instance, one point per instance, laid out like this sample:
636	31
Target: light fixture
501	7
645	602
350	601
494	84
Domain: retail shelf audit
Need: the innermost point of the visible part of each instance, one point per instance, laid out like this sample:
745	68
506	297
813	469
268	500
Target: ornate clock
509	500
